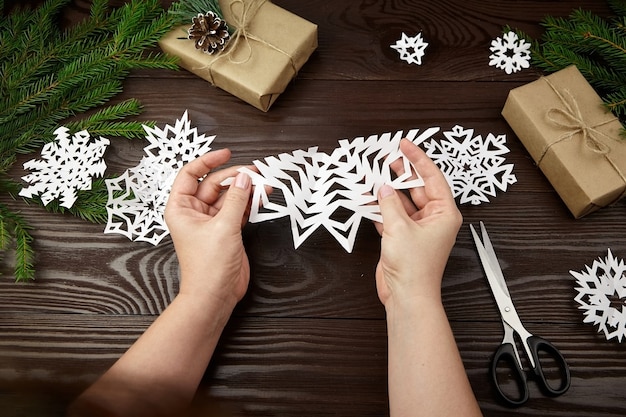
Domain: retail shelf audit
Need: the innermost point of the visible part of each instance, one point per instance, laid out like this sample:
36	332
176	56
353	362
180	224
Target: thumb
391	207
236	199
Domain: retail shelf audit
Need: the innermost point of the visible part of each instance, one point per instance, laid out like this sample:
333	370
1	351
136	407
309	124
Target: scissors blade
493	260
508	314
493	277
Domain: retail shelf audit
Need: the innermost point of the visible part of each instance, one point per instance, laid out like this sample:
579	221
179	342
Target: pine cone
209	31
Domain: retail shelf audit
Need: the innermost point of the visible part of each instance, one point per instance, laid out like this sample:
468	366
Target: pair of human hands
205	220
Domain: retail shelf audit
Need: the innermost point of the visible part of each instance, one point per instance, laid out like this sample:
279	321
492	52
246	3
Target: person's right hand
417	235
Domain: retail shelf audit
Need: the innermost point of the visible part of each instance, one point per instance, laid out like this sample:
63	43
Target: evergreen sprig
184	10
597	46
49	75
14	231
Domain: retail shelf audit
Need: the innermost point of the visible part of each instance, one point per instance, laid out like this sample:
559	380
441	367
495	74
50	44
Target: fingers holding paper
417	233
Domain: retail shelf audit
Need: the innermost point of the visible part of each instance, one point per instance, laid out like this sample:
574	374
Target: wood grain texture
309	338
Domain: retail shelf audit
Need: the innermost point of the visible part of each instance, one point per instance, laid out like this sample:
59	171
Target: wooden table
309	339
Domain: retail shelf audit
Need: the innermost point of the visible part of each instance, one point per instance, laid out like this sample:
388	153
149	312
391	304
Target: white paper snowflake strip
411	49
314	189
335	191
137	198
68	165
474	167
602	295
509	53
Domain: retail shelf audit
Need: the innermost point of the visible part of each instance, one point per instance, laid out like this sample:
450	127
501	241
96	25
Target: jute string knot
571	118
241	19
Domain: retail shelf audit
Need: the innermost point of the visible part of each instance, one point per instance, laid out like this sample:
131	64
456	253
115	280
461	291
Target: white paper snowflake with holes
602	295
411	49
68	165
509	53
335	191
474	167
137	198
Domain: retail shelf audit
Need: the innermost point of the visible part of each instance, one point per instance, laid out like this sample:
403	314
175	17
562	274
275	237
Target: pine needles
595	45
48	75
184	10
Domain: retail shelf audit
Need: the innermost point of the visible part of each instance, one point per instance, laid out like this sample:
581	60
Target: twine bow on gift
571	118
241	19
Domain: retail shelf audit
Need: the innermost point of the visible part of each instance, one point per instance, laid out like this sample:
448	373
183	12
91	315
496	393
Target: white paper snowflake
510	53
474	167
137	198
68	165
314	189
335	191
411	49
602	295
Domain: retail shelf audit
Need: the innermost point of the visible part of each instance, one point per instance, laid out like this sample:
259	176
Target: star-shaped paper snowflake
137	199
411	49
602	295
473	166
510	53
335	191
68	165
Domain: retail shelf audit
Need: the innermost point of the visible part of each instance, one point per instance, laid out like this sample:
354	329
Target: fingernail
385	191
242	180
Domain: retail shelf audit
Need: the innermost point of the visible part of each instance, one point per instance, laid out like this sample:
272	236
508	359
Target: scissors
508	350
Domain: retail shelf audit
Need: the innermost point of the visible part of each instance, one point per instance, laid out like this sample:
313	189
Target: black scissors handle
506	353
538	344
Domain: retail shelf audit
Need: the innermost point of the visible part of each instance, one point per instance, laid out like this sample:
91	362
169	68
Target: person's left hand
205	221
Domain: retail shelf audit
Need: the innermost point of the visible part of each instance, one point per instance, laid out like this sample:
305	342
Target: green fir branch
89	205
5	233
618	7
616	102
15	231
24	253
184	10
51	76
597	46
108	121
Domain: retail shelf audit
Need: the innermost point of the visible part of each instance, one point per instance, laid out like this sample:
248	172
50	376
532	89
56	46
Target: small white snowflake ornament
137	198
411	49
68	165
510	53
474	167
602	295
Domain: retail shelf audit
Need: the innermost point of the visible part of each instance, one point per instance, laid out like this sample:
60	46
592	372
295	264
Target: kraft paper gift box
265	53
572	137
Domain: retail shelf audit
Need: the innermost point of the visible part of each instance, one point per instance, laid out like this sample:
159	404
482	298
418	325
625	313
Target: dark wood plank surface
309	338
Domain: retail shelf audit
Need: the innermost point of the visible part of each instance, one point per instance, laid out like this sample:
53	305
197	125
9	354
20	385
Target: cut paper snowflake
474	167
137	198
335	191
411	49
510	53
602	295
314	189
68	165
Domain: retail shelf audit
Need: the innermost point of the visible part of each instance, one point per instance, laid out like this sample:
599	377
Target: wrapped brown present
265	53
572	137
